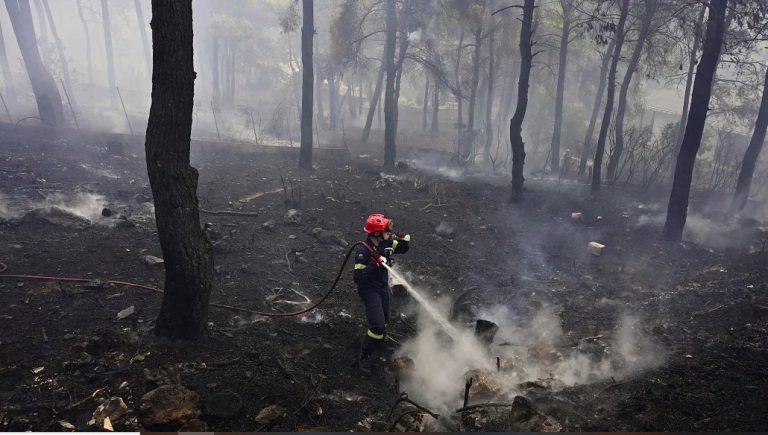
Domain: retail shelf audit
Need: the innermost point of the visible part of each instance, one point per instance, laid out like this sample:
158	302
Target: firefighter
372	280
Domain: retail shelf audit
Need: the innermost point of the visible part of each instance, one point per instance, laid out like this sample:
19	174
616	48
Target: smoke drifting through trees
453	66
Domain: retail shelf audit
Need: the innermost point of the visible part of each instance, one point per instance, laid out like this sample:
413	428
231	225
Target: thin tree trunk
319	97
457	79
489	96
9	86
46	93
689	76
351	100
333	100
144	37
587	149
621	109
373	102
187	252
435	107
60	51
307	84
425	105
677	210
43	31
620	34
516	123
560	92
390	130
231	71
215	71
106	24
753	152
404	42
89	59
475	78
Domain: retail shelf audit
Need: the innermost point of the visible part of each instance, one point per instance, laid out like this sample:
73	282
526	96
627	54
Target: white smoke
529	350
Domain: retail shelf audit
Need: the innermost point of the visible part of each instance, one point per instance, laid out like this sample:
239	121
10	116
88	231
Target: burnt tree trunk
186	250
46	93
516	123
689	74
560	91
435	128
587	149
425	105
8	83
390	130
307	84
475	78
600	149
373	102
333	100
459	97
753	152
144	37
107	26
621	109
43	31
489	96
403	49
677	209
59	51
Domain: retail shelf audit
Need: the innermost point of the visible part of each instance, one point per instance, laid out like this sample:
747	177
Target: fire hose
4	267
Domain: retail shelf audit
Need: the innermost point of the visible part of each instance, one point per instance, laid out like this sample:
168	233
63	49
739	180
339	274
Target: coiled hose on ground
4	267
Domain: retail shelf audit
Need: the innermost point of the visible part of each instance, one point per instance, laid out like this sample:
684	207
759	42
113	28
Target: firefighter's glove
401	235
388	256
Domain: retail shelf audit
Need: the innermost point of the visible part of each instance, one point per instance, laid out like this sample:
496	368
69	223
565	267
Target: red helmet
375	223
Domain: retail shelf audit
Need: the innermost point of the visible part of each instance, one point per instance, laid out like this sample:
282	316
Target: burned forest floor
82	356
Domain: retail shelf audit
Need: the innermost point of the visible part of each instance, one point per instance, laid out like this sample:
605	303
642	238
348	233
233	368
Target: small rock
293	216
329	237
125	313
364	425
168	404
595	248
112	409
106	212
152	261
445	229
271	414
268	225
37	370
402	363
66	426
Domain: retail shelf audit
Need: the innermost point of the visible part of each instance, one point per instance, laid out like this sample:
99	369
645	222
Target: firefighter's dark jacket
368	275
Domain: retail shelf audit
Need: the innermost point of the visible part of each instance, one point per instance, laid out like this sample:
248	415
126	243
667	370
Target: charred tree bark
621	109
516	123
373	102
425	105
475	78
106	24
435	107
186	251
587	149
144	37
689	75
677	210
307	84
46	93
8	83
390	130
560	92
59	51
489	96
333	101
600	149
753	152
459	97
403	49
